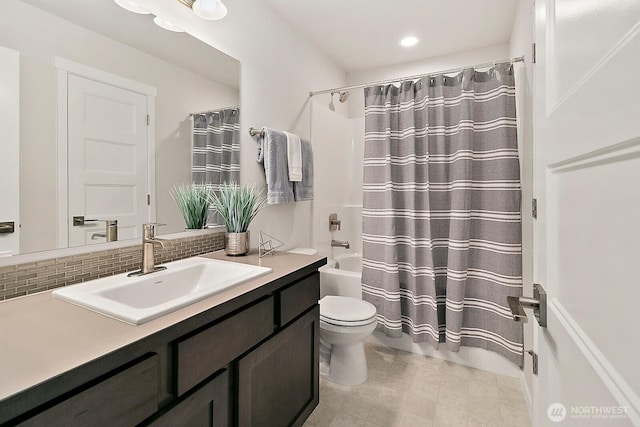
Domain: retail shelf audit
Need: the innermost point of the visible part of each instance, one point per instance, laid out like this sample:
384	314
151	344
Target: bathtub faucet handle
334	222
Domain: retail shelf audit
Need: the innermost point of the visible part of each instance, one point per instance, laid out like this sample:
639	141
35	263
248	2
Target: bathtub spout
340	244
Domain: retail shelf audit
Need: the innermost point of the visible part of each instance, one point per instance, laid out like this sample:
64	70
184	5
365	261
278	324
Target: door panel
9	144
108	165
574	50
587	143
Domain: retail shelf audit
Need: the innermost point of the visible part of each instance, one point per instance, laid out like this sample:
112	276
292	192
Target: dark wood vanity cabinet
278	381
255	365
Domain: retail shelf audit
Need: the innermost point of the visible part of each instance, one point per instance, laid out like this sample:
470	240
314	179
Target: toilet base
348	364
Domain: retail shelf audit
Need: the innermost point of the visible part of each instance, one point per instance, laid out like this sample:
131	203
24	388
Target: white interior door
107	159
587	142
9	154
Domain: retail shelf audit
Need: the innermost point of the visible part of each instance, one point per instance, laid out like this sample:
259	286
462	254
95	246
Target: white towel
294	157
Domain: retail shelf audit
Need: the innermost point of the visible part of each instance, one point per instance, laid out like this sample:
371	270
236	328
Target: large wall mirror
95	106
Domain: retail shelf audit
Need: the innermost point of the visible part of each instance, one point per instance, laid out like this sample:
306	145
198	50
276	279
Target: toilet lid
346	311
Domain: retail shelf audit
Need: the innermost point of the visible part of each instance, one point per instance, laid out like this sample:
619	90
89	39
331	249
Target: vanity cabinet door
205	406
278	381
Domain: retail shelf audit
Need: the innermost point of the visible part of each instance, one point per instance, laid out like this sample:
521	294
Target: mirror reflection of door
9	146
107	160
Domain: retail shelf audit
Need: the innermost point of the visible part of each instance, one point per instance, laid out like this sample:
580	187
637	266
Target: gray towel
273	155
304	190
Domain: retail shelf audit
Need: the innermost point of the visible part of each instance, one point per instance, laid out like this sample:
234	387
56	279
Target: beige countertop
42	337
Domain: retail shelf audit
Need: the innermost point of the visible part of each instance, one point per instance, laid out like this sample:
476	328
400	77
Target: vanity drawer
125	398
298	298
200	355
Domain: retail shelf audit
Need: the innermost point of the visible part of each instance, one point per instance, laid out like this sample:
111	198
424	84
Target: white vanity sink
137	300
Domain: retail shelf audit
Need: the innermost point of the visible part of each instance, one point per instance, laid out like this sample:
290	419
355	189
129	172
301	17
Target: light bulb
204	8
167	25
131	7
209	9
409	41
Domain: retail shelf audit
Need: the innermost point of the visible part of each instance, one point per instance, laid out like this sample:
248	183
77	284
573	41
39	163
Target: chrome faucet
149	240
340	244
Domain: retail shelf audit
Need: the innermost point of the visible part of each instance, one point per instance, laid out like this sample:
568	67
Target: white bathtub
342	276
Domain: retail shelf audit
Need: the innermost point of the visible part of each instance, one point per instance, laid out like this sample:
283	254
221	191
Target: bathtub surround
29	278
216	151
441	227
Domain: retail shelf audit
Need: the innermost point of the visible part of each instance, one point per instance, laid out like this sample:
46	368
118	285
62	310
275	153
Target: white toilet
345	322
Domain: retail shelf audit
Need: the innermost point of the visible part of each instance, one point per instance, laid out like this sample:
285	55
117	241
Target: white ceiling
364	34
138	31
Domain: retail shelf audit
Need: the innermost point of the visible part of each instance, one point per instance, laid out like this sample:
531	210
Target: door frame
64	68
10	128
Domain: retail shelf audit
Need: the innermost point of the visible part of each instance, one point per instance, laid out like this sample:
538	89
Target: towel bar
256	132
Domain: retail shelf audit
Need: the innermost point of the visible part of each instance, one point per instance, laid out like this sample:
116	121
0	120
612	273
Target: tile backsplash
23	279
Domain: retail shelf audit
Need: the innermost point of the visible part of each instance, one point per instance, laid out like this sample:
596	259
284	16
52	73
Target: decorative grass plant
193	202
238	205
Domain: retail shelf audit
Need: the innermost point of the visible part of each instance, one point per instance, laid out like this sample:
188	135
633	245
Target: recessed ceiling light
131	7
409	41
167	25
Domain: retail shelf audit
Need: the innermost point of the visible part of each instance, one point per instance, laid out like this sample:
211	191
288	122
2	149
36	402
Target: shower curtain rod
215	110
417	76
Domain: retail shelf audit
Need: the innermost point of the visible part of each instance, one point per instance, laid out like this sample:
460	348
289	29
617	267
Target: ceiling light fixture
409	41
132	7
162	23
205	9
209	9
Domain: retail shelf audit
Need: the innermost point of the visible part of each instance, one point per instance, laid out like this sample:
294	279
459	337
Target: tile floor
406	389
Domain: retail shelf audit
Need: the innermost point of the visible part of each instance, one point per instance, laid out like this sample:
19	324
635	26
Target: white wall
279	68
521	39
40	37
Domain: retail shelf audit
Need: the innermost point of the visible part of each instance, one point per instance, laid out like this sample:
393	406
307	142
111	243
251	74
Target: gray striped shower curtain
216	151
441	210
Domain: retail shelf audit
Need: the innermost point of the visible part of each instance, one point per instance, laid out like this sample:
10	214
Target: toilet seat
346	311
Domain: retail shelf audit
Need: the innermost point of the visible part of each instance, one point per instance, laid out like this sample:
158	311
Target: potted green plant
193	202
237	206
